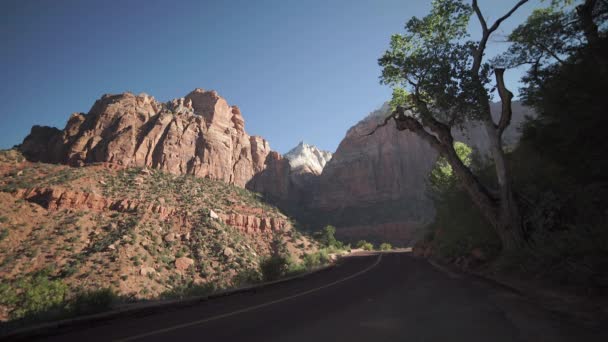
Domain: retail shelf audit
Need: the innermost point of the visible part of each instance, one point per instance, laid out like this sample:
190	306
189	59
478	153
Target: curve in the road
251	308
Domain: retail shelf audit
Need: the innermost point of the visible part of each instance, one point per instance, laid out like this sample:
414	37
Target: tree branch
409	123
504	17
505	98
486	32
393	115
482	21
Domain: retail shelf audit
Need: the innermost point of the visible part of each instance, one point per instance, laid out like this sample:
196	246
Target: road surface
387	297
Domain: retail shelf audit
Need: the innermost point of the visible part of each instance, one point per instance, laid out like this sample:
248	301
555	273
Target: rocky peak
306	158
199	134
211	106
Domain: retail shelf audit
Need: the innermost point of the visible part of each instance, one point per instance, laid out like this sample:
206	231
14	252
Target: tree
565	84
327	237
441	81
441	178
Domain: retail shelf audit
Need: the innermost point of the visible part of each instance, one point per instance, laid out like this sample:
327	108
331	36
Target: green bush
92	301
247	277
328	239
274	267
33	295
386	246
316	259
368	246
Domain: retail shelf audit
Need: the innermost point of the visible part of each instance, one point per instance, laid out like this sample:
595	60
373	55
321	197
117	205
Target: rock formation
306	158
373	187
200	135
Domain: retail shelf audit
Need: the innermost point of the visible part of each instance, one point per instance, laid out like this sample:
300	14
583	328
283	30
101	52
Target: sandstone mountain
306	158
375	187
199	135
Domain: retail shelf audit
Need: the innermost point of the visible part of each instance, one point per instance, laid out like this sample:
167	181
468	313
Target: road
388	297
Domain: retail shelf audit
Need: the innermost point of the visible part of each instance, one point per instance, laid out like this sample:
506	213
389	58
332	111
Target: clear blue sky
299	70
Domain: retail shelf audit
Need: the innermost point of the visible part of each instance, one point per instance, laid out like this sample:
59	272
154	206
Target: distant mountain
375	187
306	158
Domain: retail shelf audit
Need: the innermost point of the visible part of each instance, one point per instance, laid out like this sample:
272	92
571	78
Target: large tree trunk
508	222
503	212
500	210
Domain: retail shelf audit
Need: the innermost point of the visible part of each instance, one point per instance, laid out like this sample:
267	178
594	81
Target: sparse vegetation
119	245
368	246
385	246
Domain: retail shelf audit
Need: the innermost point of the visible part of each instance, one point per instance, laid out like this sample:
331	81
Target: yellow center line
251	308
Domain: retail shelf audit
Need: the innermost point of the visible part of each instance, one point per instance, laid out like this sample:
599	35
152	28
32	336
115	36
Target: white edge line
251	308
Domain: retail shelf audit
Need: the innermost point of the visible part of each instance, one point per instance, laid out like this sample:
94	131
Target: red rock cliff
200	134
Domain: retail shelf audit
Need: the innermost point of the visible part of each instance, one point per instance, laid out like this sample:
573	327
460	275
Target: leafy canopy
442	177
429	66
547	36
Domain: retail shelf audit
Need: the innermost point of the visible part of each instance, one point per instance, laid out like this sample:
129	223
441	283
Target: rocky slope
140	232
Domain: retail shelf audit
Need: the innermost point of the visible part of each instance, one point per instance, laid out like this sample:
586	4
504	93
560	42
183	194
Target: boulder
170	237
228	252
183	263
144	271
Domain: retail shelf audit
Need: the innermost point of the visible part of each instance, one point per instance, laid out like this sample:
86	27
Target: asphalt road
392	297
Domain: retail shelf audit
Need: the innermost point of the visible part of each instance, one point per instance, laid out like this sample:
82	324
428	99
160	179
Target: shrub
3	234
189	290
92	301
327	237
368	246
295	268
35	295
274	267
386	246
317	259
247	277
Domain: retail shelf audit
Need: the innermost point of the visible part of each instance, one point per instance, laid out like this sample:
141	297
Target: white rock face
306	158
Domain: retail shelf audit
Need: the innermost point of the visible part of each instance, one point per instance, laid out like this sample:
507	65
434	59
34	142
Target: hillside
139	232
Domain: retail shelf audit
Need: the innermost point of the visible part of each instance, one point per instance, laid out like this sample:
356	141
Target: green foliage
92	301
274	267
458	227
368	246
328	239
247	277
430	63
441	177
3	234
189	290
385	246
401	97
314	260
543	39
33	295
